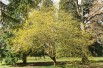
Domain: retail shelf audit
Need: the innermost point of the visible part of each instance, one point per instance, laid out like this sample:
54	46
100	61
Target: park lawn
47	59
37	62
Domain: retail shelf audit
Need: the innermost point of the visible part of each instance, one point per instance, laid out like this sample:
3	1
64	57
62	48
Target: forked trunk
54	60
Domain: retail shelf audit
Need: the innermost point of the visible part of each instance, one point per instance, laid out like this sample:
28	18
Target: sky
56	1
5	2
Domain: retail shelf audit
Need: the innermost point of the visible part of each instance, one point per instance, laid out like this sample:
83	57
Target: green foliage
16	12
11	58
5	52
13	15
29	31
41	28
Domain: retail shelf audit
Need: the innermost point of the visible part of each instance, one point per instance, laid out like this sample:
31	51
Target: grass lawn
37	62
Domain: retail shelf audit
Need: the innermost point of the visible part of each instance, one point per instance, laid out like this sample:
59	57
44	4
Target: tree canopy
31	25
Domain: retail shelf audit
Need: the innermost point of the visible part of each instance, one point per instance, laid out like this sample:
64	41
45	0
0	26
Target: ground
71	62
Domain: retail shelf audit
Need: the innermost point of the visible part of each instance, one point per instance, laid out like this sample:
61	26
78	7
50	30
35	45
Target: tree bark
77	7
54	60
24	58
85	59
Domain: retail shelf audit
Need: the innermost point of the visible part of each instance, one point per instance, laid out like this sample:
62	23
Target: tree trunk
85	59
24	58
77	7
54	60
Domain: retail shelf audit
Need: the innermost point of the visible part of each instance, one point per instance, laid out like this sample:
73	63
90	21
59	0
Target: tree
11	17
95	25
41	31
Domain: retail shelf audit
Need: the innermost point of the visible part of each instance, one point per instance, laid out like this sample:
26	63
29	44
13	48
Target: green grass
38	59
97	60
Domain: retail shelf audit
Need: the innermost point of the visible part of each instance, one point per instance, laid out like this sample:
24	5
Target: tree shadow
39	64
99	61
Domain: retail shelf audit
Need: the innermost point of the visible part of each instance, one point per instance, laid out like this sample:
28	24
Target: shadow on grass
99	61
61	64
39	64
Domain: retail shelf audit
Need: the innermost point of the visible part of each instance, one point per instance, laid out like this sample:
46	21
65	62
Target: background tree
13	16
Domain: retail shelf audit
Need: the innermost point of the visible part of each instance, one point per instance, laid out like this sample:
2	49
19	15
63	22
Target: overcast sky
5	2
